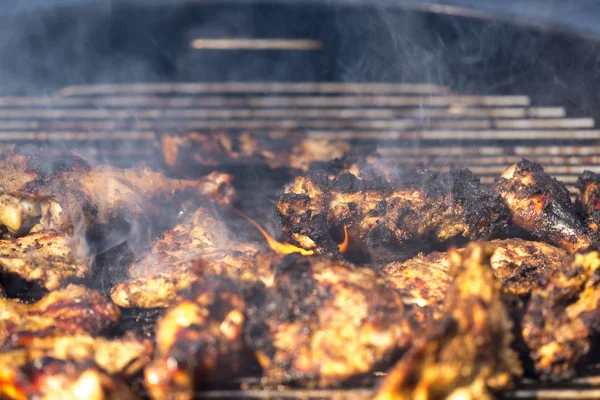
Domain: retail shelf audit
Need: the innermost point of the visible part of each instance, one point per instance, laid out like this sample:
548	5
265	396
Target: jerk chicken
562	321
73	309
423	281
589	198
48	258
158	278
468	352
379	210
324	322
199	151
541	205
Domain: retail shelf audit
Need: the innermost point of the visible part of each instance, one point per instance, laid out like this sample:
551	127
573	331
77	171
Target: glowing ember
344	245
277	247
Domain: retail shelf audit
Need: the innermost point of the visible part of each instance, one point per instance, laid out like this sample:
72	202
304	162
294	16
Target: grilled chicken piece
278	150
79	197
48	258
50	379
468	353
589	198
541	205
423	281
159	278
562	321
73	309
199	341
324	322
416	207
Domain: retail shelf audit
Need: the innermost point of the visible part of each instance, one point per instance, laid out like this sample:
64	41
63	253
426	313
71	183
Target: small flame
277	247
344	245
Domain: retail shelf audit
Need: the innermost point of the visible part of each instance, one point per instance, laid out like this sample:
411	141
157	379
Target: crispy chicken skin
48	258
423	281
468	353
184	153
73	309
199	341
78	196
562	321
408	209
51	379
589	198
158	278
324	321
541	205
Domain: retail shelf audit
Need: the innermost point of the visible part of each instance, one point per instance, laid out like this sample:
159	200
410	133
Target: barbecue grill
426	85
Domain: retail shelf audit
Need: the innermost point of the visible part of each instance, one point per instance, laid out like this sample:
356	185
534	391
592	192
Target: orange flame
277	247
344	245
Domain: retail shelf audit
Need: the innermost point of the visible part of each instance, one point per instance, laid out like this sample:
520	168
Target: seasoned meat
73	309
423	281
184	153
541	205
68	199
158	278
562	321
199	341
324	321
50	379
468	352
48	258
589	198
415	207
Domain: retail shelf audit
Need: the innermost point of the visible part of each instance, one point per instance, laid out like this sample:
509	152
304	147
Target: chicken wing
562	321
417	207
199	341
48	258
468	353
197	151
541	205
159	278
324	322
73	309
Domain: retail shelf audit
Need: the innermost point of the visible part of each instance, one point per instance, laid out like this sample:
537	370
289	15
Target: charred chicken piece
48	258
562	320
73	309
199	341
418	206
68	198
124	356
159	278
541	205
423	281
589	198
184	153
324	322
50	379
468	353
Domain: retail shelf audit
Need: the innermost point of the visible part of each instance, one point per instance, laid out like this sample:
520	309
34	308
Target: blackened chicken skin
323	322
589	198
418	206
541	205
199	341
48	258
199	151
468	353
73	309
423	281
562	321
158	279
